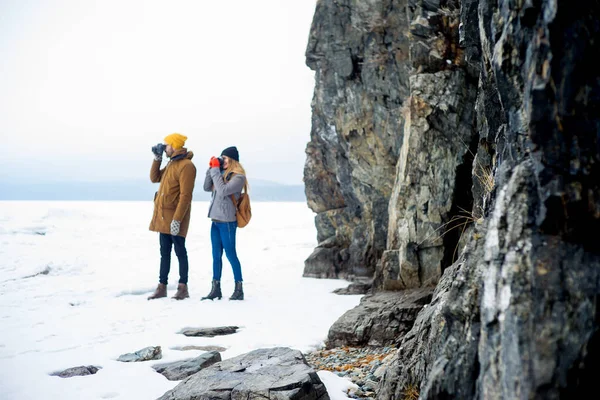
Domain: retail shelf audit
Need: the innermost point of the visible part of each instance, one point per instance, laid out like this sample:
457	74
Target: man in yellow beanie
172	209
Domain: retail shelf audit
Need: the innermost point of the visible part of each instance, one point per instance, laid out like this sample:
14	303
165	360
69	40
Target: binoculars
159	148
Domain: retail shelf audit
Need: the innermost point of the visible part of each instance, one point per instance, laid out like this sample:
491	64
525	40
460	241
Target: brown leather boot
161	291
182	292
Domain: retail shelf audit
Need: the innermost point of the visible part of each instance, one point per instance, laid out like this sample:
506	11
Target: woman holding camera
225	178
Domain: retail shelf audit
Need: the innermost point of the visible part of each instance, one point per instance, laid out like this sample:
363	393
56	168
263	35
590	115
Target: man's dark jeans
166	244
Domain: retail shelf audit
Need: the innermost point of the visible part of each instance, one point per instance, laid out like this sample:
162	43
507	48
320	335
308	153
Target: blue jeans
166	244
222	237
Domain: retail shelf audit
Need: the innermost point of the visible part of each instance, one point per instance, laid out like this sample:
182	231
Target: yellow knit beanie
176	140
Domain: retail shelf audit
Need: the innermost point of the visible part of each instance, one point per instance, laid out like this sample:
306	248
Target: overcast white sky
87	87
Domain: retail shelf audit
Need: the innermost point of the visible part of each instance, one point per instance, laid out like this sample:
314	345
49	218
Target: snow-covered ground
74	278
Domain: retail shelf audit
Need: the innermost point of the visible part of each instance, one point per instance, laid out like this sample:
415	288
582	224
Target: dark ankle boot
238	293
215	291
161	291
182	292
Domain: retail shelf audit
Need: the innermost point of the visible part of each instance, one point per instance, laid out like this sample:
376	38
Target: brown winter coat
173	201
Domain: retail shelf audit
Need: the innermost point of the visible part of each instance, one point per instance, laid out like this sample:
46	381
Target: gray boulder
380	319
273	373
179	370
145	354
210	332
77	371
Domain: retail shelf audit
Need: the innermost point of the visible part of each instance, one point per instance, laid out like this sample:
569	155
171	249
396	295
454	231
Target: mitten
214	162
157	151
175	225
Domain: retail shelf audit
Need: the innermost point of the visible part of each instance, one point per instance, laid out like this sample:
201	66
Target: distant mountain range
260	190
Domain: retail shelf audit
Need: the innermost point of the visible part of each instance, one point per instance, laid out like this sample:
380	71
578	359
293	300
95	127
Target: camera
159	148
221	163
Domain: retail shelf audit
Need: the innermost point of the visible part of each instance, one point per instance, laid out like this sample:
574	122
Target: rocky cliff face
359	53
456	145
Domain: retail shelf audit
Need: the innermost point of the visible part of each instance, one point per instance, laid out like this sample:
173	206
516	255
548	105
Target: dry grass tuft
461	221
410	393
485	177
457	221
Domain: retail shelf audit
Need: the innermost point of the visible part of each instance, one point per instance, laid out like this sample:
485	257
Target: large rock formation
358	51
456	144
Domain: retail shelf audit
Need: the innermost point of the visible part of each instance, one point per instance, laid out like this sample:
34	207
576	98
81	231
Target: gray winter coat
221	206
